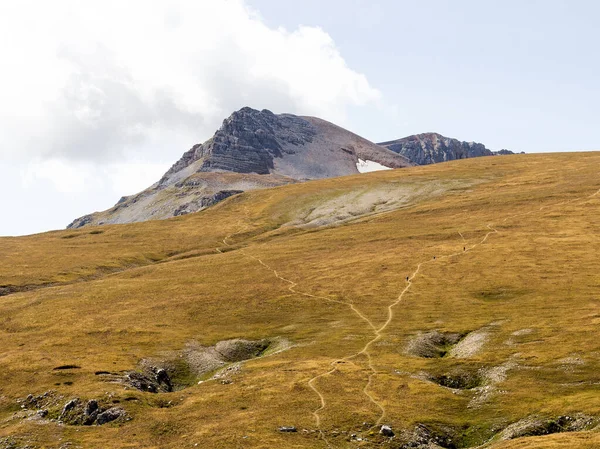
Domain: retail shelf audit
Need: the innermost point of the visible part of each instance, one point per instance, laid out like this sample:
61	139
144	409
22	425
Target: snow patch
369	166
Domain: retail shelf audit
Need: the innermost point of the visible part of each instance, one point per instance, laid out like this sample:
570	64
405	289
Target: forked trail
390	313
292	288
377	331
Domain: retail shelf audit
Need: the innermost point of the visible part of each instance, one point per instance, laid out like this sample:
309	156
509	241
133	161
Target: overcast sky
99	98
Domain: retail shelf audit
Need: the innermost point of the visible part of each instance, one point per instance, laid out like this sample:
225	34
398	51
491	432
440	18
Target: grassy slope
137	290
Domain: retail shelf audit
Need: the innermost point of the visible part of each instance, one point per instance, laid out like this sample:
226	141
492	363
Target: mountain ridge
430	148
259	149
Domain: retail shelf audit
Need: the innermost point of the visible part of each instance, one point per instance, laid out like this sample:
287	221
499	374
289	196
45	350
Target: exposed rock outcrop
78	413
204	201
247	142
430	148
536	425
433	344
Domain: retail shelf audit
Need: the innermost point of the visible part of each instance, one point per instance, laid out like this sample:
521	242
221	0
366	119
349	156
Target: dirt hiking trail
378	332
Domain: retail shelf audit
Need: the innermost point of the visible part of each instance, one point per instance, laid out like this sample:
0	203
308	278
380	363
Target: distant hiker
433	257
464	248
406	278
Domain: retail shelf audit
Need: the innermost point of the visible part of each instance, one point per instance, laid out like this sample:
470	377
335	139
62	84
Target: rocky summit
431	148
251	150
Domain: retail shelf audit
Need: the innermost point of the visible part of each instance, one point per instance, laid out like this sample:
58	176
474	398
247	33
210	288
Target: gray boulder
70	405
110	415
386	431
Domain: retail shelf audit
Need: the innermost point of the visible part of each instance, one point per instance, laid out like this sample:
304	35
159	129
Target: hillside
252	150
456	303
431	148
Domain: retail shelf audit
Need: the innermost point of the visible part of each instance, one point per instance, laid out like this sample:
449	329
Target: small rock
162	377
42	413
69	406
91	407
386	431
288	429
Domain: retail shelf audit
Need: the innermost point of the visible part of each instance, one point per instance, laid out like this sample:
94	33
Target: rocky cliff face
430	148
248	142
252	149
260	142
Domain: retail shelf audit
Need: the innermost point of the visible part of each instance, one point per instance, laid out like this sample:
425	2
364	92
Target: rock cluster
76	412
386	431
184	368
52	407
152	379
430	148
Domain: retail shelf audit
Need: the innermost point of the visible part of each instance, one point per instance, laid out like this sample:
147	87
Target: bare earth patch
470	345
364	202
433	344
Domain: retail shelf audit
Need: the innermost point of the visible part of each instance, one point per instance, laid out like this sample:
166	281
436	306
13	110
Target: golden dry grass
103	301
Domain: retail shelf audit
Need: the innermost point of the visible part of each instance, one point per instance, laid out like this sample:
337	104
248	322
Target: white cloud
144	174
92	89
80	178
64	177
99	80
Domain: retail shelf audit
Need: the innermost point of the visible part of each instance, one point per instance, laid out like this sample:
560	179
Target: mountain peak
430	148
252	149
261	142
249	110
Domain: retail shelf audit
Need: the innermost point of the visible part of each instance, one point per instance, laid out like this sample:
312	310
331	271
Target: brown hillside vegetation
457	303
